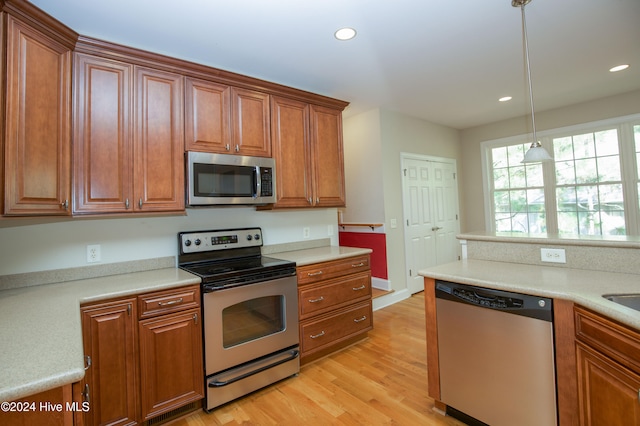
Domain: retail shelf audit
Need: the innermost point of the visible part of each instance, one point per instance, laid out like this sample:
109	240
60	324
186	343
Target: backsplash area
613	255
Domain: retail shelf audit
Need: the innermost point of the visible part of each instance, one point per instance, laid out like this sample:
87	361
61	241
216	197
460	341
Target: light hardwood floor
380	381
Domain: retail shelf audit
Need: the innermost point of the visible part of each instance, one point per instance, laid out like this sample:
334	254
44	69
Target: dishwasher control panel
487	300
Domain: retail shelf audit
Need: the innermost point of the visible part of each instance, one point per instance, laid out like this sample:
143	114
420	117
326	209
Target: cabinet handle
65	204
85	394
317	335
309	200
237	148
129	309
318	200
126	203
195	318
171	302
226	147
313	274
319	299
87	362
140	202
358	265
364	317
362	287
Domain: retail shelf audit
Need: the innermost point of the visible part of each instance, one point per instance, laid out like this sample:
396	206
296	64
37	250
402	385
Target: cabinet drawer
612	339
333	294
162	302
335	268
331	329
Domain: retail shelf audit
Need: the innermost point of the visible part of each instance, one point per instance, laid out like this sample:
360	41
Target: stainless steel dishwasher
496	356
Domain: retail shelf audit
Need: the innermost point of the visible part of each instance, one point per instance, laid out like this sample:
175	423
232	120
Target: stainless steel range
250	311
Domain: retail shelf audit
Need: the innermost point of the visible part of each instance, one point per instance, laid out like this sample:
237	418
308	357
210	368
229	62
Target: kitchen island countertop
319	254
584	287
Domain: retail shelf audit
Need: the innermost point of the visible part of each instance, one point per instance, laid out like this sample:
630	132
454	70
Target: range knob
187	243
257	236
249	237
198	242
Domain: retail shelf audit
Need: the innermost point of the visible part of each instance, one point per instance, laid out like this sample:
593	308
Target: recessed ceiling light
345	33
619	68
505	98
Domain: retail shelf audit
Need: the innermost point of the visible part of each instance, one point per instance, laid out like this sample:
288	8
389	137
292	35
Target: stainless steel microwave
222	179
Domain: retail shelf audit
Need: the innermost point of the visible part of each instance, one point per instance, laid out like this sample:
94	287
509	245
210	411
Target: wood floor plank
379	381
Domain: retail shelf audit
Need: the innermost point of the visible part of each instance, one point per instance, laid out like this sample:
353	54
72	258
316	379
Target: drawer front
615	340
331	329
174	300
333	294
335	268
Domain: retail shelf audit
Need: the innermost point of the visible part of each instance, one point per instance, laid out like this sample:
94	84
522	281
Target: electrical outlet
306	232
553	255
93	253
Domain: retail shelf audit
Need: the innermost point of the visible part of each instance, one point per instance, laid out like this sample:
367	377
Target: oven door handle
293	354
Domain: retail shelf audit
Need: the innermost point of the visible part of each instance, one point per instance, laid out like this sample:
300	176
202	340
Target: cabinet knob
126	203
65	204
140	203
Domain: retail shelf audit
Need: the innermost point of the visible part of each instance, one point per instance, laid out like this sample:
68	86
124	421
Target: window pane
516	177
500	178
609	169
499	157
586	171
563	149
583	146
565	172
534	175
607	143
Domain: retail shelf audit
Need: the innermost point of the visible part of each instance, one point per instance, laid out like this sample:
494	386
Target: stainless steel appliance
496	356
214	179
250	311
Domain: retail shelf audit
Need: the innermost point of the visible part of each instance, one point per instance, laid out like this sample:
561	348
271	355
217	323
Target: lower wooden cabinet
608	361
53	408
143	356
171	372
334	305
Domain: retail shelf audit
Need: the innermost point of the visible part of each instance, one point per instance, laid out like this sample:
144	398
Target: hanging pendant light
536	152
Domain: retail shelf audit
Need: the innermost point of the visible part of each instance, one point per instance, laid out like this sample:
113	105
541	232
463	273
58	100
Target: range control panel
203	241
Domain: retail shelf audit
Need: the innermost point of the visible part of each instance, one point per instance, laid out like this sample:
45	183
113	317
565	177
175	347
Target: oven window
224	181
252	319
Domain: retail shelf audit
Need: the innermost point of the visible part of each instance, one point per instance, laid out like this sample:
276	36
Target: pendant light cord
526	56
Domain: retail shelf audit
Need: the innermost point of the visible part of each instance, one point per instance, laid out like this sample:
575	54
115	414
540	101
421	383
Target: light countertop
583	287
319	254
41	331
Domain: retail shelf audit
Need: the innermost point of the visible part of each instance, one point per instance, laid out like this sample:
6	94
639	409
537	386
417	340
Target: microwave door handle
256	182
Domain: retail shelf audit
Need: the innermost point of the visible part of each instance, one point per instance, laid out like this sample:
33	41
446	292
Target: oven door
247	322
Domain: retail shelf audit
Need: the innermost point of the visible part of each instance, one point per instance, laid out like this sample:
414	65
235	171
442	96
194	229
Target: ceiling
443	61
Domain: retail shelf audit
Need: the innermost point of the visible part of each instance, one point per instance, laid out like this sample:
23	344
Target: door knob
436	228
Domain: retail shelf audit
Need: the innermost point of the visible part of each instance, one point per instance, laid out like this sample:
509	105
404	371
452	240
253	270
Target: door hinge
410	273
405	172
454	176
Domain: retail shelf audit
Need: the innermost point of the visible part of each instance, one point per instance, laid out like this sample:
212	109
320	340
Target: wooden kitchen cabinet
40	409
608	362
334	303
171	366
110	384
226	120
37	121
307	146
128	145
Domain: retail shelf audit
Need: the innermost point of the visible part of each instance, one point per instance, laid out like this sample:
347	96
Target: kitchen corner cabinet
61	396
308	152
129	138
608	358
334	304
37	122
110	384
226	120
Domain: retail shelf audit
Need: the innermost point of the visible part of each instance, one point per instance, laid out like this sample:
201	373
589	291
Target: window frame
629	169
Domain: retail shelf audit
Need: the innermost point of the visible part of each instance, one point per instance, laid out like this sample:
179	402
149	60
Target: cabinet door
102	144
38	123
250	123
291	150
159	141
207	116
608	393
328	157
110	384
170	362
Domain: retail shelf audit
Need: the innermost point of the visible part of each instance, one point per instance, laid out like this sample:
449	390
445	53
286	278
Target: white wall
391	134
38	247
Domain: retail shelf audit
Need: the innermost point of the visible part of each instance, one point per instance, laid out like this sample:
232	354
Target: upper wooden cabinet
307	146
227	120
128	146
37	122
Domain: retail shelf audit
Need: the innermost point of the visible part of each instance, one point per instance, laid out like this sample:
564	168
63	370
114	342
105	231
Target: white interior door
430	203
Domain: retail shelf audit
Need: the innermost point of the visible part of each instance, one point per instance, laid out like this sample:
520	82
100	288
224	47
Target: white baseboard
390	299
381	284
